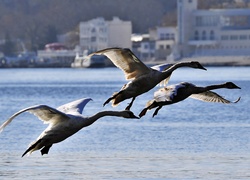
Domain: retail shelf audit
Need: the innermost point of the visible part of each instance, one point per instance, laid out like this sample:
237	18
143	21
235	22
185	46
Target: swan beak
136	117
203	68
235	86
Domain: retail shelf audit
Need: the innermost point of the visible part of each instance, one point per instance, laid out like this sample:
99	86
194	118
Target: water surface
188	140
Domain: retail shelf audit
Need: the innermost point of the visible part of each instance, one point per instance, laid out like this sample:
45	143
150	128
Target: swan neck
101	114
178	65
218	86
169	71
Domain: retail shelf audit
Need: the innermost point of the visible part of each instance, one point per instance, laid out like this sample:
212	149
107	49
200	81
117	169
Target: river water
187	140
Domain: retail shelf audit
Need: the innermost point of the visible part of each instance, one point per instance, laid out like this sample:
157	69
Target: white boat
83	61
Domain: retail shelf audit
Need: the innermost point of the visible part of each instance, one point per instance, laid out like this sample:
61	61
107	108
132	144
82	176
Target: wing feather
126	60
43	112
164	94
76	106
162	67
210	96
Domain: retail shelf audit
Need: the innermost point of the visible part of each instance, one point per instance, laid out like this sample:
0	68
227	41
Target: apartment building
98	34
212	32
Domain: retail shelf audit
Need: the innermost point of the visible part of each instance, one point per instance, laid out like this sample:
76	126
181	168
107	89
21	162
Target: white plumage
63	122
178	92
142	78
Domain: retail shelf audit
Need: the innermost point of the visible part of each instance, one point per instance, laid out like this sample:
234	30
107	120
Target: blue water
187	140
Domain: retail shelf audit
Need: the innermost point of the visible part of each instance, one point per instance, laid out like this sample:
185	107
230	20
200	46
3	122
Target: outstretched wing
75	106
163	67
210	96
126	61
45	113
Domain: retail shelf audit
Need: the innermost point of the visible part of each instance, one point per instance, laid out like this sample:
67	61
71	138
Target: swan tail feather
33	147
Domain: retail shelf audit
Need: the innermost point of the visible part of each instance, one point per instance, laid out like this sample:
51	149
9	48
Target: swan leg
45	150
130	104
108	100
112	97
156	111
143	112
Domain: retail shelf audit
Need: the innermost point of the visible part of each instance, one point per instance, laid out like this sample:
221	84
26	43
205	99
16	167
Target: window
196	35
172	36
167	36
152	46
243	37
93	39
204	36
224	37
233	37
206	21
162	36
211	35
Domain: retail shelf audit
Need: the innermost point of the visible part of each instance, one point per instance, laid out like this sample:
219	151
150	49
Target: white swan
63	122
142	78
178	92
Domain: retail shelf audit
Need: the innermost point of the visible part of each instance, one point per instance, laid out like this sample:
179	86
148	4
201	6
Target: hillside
36	22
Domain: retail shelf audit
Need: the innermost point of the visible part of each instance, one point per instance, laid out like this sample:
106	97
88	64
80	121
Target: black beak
136	117
203	68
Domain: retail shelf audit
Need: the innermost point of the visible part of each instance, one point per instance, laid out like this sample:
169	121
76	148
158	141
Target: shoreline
209	60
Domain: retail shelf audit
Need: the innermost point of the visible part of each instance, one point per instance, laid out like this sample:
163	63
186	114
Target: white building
94	34
119	33
146	48
165	39
212	32
158	44
98	34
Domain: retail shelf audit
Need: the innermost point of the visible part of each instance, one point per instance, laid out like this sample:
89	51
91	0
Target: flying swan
63	122
142	78
178	92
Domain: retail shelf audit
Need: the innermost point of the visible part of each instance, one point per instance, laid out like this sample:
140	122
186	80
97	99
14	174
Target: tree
50	34
9	46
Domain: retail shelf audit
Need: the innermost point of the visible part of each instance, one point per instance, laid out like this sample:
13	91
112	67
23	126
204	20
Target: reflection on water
188	140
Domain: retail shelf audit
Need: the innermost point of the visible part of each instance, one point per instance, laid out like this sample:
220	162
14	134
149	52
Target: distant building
165	39
157	45
94	34
212	32
98	34
145	48
119	33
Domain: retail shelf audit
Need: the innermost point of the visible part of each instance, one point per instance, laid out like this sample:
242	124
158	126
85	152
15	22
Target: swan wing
168	93
43	112
75	106
126	60
165	94
161	67
165	81
210	96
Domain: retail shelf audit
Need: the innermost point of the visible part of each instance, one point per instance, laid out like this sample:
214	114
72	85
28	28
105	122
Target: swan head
197	65
129	114
231	85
